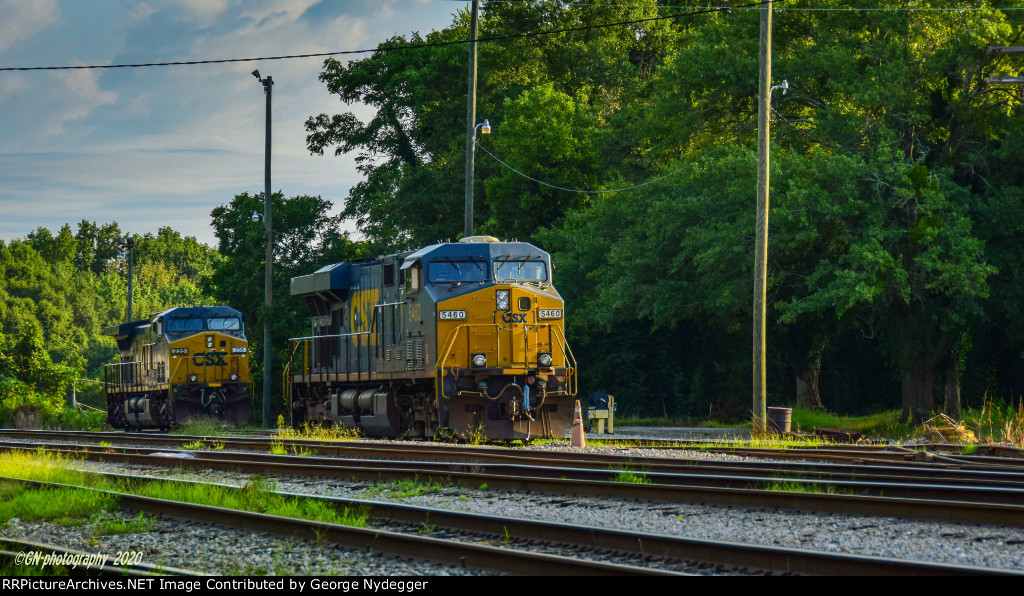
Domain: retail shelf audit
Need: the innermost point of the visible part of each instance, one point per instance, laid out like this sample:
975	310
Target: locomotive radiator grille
414	359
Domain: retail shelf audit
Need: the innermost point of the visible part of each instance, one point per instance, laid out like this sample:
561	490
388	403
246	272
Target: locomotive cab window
180	324
412	279
224	323
457	271
520	271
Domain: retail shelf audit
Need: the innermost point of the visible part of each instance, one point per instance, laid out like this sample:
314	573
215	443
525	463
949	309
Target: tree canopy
624	143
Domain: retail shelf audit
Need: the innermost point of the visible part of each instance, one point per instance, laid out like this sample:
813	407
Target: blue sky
163	146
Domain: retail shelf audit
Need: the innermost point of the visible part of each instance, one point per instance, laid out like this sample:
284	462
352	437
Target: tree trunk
952	405
807	394
919	382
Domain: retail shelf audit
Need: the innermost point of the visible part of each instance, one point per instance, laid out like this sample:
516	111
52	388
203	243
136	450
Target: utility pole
129	242
268	282
471	118
268	259
761	234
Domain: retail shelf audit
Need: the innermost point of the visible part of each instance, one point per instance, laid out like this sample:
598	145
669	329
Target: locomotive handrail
570	371
114	375
305	341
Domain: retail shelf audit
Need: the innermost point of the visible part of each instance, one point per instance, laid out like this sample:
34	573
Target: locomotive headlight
479	360
502	299
193	378
544	359
233	376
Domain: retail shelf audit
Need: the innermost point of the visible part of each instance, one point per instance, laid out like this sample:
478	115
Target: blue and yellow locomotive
461	338
182	363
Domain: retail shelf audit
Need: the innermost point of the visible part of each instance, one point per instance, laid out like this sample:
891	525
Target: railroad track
574	549
852	454
997	498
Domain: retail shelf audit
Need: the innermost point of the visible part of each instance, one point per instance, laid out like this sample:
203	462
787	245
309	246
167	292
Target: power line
577	190
387	49
785	8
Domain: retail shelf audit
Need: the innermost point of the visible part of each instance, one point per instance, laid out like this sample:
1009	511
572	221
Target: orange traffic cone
578	440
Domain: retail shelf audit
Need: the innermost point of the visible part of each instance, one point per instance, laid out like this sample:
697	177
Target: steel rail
913	508
492	454
677	548
477	556
1007	493
923	476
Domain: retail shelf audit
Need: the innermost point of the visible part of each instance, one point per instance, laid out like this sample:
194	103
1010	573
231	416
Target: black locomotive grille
414	355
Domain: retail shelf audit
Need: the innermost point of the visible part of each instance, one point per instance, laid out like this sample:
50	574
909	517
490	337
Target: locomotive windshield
457	271
197	323
534	271
179	324
222	323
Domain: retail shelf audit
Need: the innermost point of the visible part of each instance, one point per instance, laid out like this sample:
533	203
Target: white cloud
163	146
21	19
83	94
275	12
201	12
141	12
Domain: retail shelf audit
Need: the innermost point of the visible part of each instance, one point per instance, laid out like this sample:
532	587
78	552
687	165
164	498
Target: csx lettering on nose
209	359
514	317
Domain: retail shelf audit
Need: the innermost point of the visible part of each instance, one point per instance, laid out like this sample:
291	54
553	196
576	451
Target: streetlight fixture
268	281
485	128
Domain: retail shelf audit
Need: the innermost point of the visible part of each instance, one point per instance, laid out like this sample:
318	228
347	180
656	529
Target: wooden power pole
471	118
761	235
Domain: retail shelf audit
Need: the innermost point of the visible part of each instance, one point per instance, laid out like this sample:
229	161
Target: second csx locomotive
461	339
182	363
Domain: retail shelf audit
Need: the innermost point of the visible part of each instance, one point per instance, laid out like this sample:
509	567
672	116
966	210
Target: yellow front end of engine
209	359
504	367
513	339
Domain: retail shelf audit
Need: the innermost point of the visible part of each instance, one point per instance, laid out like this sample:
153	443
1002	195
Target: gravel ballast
225	551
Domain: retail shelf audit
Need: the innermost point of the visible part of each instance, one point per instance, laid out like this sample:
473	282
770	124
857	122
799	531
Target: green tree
30	383
306	237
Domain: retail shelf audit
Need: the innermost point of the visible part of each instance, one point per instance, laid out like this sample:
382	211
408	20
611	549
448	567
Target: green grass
121	526
631	477
316	432
885	424
65	506
203	427
997	422
200	444
258	496
405	488
70	505
807	488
